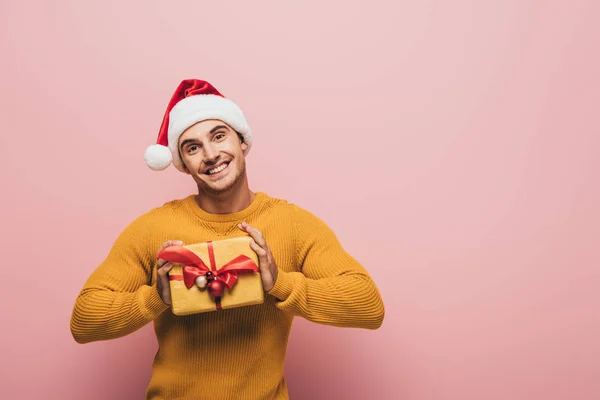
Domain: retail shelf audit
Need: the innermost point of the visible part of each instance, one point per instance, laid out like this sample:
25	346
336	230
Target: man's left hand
268	268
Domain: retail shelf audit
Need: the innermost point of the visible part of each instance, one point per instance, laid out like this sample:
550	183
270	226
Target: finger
244	226
167	266
254	233
162	271
169	243
262	253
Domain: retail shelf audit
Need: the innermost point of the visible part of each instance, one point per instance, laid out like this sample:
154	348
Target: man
235	353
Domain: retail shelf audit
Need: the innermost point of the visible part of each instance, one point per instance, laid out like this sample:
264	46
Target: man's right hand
163	267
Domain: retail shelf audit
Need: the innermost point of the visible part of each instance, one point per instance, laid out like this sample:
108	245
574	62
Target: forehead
202	129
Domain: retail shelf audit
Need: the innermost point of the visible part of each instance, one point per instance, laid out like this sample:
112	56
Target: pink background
453	146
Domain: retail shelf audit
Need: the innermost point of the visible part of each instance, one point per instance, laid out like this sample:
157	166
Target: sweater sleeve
119	297
331	287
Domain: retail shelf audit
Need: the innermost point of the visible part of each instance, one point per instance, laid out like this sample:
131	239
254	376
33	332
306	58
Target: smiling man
236	353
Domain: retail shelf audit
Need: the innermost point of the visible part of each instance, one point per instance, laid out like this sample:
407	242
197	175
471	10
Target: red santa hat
193	101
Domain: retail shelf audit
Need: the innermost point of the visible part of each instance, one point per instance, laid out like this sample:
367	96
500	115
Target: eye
192	149
219	136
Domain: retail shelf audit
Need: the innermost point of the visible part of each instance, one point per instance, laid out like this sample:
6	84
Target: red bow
195	267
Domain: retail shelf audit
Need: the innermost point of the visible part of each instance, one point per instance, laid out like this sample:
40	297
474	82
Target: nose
211	153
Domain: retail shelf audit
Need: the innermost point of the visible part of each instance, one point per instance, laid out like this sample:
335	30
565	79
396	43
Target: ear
185	168
243	144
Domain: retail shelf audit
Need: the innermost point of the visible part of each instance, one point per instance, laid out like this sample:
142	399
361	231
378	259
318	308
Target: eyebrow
216	128
213	130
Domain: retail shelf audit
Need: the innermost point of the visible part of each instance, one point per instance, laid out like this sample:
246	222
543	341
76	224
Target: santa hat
193	101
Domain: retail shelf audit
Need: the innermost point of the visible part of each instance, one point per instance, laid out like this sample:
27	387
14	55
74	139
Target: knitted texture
236	353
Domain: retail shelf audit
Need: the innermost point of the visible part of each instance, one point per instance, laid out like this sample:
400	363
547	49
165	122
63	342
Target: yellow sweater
234	353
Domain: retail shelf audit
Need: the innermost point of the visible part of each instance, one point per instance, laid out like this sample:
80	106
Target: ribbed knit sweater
235	353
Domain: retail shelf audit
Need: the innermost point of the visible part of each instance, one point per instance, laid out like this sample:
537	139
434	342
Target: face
213	154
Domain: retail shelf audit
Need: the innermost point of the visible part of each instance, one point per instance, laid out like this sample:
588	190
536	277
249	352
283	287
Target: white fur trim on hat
194	109
158	157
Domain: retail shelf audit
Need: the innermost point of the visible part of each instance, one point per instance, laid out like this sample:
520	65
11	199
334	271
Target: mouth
217	169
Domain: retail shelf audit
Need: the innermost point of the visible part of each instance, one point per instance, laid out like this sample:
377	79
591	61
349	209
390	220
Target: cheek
235	148
190	161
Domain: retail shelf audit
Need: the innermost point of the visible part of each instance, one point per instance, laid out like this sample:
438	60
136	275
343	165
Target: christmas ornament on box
213	275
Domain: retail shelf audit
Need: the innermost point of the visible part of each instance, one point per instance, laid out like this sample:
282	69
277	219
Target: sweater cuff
284	285
150	302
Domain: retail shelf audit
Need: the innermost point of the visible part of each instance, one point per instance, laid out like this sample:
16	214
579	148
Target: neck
235	199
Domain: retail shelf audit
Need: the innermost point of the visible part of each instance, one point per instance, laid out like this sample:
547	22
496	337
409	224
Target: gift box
213	275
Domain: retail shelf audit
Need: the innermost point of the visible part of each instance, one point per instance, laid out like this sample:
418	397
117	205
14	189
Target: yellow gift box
213	275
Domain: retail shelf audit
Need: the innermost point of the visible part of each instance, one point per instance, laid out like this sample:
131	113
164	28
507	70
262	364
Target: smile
217	169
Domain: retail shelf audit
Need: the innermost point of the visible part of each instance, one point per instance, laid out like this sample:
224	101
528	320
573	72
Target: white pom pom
158	157
201	281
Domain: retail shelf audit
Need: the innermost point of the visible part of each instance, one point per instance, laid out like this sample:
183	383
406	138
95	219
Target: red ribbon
195	267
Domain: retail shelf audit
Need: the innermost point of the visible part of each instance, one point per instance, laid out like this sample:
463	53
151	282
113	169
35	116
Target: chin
225	184
218	187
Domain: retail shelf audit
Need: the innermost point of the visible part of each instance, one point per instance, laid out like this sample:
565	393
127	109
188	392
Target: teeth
218	169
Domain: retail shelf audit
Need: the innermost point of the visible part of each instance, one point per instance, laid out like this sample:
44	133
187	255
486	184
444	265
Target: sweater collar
258	200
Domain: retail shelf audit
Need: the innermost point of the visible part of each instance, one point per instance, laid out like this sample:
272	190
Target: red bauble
216	288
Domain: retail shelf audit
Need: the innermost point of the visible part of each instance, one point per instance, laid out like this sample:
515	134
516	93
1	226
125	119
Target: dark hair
241	137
